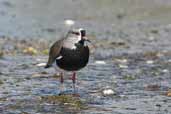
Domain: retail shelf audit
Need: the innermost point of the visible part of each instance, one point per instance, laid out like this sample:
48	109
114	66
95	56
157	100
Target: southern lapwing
70	53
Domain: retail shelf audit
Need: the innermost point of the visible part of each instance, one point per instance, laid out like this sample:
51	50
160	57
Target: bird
70	53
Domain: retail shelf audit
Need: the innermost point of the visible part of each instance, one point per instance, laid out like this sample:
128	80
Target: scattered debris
159	106
36	75
168	93
120	16
149	61
154	87
50	30
121	60
129	77
41	64
118	44
69	100
107	92
46	51
1	54
151	55
1	82
154	31
123	66
30	51
69	22
100	62
169	60
151	38
165	70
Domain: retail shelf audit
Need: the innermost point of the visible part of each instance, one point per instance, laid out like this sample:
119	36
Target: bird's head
79	35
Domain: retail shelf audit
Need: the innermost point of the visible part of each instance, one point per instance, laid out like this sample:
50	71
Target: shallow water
138	88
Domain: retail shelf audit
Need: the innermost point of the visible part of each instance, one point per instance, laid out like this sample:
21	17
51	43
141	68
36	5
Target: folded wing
54	52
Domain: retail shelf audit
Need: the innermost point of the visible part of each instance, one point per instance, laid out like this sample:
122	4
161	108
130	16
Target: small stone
154	31
37	75
168	93
108	92
165	70
149	62
128	77
158	105
46	51
151	38
50	30
41	64
159	54
122	60
30	50
152	87
44	72
69	22
123	66
100	62
1	82
1	54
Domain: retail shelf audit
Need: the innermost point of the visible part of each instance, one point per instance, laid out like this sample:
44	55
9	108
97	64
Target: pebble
123	66
151	38
149	62
108	92
165	70
30	50
100	62
41	64
122	60
69	22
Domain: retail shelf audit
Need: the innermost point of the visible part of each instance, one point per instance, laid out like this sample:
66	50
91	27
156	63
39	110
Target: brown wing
54	52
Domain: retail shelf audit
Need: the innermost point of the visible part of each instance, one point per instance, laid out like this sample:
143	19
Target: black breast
74	59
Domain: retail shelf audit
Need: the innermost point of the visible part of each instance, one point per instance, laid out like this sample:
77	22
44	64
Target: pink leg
74	77
74	80
62	82
61	78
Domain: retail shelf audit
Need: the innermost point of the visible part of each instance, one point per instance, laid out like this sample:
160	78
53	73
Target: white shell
69	22
108	92
41	64
100	62
150	62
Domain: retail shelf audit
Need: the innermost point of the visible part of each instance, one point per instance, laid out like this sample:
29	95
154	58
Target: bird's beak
88	40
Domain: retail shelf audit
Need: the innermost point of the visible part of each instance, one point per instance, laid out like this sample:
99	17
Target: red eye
77	33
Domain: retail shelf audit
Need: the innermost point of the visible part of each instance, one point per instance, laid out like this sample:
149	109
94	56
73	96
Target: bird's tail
50	62
47	66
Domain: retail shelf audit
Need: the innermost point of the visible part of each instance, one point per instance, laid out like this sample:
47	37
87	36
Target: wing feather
54	52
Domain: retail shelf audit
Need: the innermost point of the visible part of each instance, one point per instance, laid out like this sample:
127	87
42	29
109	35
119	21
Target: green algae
129	77
66	100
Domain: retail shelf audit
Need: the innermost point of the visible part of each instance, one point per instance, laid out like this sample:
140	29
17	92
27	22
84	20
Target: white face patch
71	41
72	38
